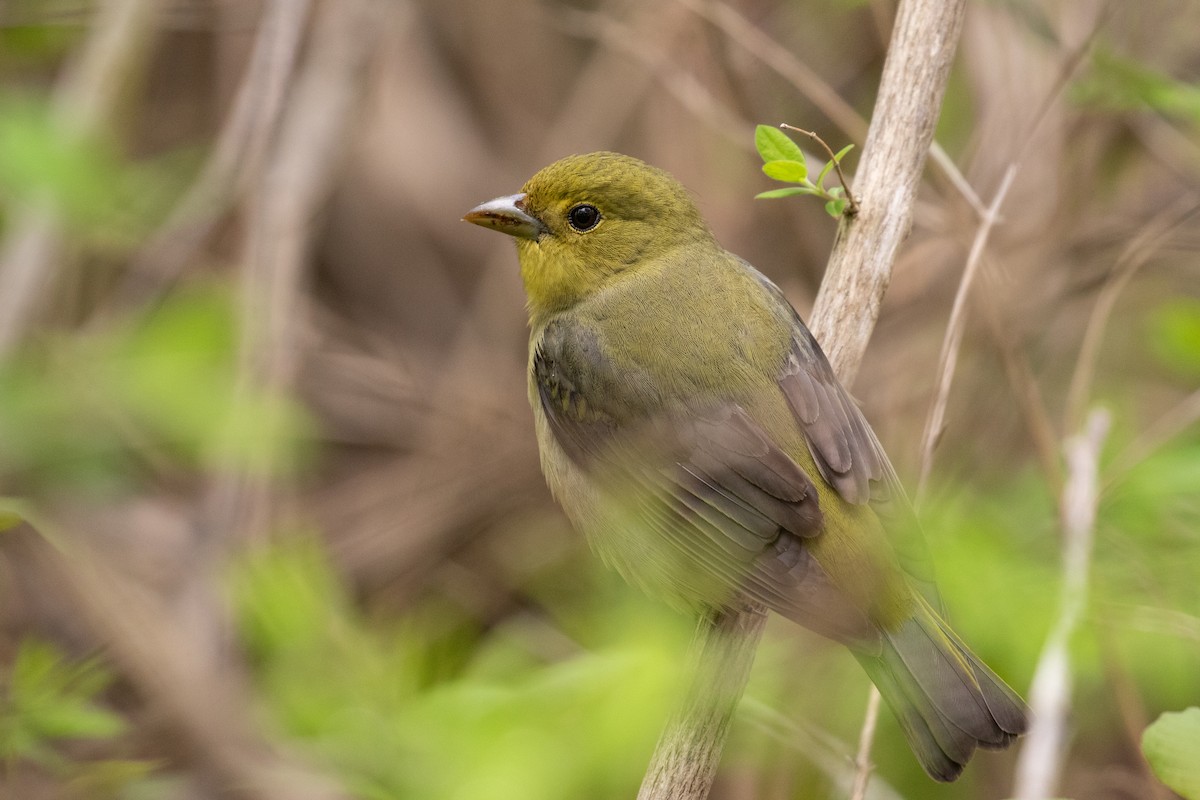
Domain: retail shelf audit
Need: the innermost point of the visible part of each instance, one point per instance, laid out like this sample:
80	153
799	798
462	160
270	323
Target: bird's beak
507	215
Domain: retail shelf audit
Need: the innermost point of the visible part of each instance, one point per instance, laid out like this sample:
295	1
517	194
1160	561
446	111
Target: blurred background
271	518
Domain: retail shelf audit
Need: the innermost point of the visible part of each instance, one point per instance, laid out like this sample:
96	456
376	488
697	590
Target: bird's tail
947	701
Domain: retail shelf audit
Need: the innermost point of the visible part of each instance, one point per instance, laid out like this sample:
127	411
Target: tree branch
910	97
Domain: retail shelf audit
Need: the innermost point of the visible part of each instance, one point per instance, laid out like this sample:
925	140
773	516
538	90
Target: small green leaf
786	170
774	145
1170	744
834	208
840	154
785	192
824	174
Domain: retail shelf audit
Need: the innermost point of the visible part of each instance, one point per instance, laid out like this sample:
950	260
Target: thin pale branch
1041	756
889	172
826	752
866	739
948	360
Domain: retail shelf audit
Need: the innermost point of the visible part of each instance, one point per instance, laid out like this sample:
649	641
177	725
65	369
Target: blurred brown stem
297	177
906	110
236	160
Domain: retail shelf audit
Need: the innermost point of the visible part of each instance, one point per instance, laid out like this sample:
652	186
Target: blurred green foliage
1174	336
47	699
159	388
1118	83
48	702
110	201
1171	744
395	712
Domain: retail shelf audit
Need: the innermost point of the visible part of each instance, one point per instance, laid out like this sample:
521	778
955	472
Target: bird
693	430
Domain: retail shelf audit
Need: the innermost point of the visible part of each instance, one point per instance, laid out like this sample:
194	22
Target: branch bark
860	267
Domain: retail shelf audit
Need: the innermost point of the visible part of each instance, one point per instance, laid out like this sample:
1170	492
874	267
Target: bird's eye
583	217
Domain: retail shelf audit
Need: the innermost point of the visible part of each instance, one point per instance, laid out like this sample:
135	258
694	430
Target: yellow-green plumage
692	429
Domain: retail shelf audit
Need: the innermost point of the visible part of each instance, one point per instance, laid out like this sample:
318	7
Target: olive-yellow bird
691	427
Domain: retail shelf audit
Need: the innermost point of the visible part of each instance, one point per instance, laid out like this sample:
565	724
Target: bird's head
583	222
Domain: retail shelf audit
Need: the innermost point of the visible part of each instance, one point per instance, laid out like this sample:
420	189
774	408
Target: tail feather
946	700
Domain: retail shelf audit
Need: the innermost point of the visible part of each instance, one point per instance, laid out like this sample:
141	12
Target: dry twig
948	360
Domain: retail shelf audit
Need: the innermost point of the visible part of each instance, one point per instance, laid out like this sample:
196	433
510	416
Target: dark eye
583	217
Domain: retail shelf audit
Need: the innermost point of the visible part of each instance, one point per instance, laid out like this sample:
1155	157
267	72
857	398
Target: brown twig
682	84
806	81
909	100
852	207
1029	398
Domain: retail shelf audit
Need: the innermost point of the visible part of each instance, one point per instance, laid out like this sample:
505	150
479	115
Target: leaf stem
852	204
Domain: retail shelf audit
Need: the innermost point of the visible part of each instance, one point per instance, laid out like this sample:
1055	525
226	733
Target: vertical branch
906	111
948	361
237	156
295	182
1049	698
689	750
866	739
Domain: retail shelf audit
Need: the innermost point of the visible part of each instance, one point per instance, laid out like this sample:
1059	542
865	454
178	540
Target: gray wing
845	449
708	483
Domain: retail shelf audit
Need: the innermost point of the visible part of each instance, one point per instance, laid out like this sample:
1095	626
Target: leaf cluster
784	161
